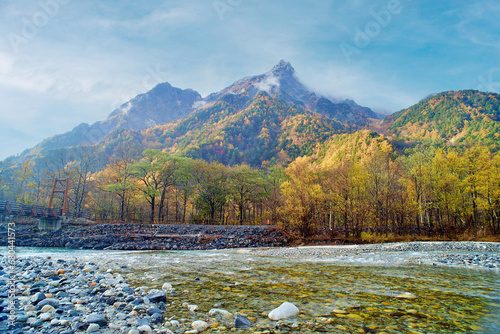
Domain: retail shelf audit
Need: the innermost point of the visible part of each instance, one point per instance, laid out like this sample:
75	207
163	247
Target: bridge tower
60	186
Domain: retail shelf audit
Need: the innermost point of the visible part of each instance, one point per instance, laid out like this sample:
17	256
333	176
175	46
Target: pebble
93	328
146	329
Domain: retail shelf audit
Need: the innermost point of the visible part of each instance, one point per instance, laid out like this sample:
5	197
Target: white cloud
199	104
268	84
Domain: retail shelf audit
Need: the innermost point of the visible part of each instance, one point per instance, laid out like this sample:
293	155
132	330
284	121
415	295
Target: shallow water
354	294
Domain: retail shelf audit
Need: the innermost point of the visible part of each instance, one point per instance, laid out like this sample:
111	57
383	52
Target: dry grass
369	238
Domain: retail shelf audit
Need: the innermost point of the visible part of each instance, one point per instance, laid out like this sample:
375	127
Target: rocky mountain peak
283	68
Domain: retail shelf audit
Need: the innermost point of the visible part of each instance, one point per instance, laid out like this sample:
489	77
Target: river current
365	293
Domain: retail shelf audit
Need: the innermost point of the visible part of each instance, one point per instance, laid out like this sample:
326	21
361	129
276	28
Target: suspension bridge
9	207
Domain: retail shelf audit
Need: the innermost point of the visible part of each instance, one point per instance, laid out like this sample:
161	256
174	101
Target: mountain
165	104
160	105
281	80
454	116
263	132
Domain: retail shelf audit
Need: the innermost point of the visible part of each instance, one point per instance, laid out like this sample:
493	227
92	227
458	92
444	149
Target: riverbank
123	236
66	297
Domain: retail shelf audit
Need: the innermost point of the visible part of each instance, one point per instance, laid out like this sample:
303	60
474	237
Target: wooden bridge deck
12	208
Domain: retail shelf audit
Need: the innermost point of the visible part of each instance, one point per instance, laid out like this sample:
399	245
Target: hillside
351	147
267	131
455	117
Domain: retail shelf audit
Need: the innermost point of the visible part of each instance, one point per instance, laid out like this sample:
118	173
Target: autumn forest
425	191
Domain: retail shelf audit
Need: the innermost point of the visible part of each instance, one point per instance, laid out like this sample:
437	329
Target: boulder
285	310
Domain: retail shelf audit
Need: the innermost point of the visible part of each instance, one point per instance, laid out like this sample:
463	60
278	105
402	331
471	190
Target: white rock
76	291
216	311
145	329
407	295
133	331
93	328
45	316
29	308
285	310
175	323
108	293
64	322
199	325
47	308
112	281
55	322
193	308
166	287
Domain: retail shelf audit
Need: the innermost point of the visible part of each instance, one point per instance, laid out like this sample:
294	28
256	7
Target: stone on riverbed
406	295
285	310
47	308
156	318
199	325
242	322
93	328
216	311
157	297
38	297
145	329
99	319
45	316
48	301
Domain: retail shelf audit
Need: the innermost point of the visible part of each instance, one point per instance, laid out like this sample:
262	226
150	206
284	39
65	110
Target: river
366	293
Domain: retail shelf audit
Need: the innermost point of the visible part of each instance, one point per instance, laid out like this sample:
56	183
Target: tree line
421	191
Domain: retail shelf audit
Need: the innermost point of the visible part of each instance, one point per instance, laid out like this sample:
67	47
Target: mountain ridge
452	116
164	104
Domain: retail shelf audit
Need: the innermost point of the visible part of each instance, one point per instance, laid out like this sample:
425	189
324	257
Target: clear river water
365	293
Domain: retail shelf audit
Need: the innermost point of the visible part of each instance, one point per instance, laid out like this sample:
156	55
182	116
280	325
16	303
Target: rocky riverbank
66	297
122	236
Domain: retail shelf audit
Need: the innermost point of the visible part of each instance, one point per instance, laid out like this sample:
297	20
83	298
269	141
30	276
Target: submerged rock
407	295
242	322
215	311
199	325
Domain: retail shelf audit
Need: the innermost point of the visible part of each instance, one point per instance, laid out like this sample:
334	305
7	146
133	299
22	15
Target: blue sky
63	62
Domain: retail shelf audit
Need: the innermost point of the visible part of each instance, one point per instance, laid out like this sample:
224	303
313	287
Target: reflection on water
357	295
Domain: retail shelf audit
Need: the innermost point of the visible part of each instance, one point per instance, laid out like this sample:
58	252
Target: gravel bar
467	254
